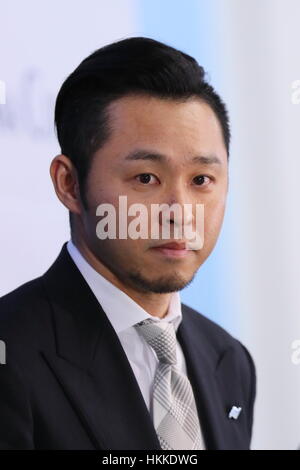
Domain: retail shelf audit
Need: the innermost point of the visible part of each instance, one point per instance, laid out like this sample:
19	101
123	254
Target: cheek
102	190
213	218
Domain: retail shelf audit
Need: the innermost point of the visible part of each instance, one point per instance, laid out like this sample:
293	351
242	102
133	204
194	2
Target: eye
145	178
199	179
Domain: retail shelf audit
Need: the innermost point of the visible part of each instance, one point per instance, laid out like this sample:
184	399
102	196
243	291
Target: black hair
136	65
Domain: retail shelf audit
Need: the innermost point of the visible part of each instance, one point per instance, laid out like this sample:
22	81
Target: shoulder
214	333
21	300
25	317
218	341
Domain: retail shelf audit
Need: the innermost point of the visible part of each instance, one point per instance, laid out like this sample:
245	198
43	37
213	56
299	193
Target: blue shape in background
191	27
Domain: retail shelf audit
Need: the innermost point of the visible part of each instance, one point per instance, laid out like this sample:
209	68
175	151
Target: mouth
172	250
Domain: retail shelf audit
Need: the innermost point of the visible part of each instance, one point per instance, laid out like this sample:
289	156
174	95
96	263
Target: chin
162	285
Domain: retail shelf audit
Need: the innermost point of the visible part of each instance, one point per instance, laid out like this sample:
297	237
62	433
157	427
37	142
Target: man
101	354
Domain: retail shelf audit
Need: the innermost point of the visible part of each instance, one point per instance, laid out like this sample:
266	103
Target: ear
65	181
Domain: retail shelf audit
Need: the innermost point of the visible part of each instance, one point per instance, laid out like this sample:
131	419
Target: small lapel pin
234	412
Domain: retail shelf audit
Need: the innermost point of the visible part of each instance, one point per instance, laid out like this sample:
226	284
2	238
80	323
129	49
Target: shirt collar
122	311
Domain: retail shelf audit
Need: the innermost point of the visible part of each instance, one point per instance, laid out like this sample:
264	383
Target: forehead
168	126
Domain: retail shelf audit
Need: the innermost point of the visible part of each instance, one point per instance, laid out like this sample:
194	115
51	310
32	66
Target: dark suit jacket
67	382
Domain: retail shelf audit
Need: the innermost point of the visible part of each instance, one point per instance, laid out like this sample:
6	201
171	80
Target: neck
154	304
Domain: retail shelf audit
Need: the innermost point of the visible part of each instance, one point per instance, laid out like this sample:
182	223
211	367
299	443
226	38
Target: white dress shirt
123	312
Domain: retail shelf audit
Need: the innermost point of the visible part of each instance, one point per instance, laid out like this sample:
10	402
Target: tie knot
161	336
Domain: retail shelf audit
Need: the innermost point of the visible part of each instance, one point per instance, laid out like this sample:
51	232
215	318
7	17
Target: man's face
178	132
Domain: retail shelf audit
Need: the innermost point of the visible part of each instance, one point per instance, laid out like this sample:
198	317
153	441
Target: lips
173	246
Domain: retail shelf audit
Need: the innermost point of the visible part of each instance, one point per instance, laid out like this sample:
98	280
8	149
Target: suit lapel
214	394
91	365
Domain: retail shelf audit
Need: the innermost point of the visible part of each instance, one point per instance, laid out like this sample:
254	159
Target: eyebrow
160	158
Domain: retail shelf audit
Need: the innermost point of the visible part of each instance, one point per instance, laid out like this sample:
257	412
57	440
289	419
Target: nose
177	213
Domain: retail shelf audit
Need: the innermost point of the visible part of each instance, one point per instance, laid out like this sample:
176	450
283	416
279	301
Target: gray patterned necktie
175	414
